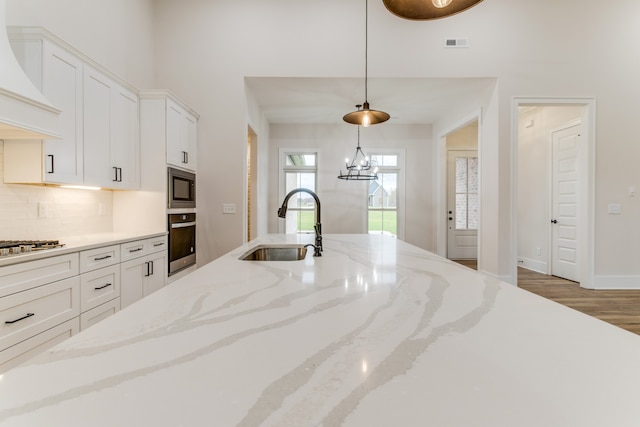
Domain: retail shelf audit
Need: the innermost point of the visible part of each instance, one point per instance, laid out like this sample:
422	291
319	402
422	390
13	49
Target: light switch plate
614	208
229	208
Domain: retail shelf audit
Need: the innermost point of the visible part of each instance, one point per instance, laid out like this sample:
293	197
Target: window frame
400	170
283	168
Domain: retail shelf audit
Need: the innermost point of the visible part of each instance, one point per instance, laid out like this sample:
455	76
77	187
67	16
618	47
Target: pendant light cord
366	47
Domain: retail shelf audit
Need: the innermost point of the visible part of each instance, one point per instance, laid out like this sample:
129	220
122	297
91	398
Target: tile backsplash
46	212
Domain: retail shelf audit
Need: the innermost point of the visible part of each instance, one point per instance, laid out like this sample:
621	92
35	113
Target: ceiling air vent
456	42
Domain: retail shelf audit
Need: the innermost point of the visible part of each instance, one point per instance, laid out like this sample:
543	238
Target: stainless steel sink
275	253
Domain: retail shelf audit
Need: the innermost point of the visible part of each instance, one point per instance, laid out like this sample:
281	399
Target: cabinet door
141	277
190	140
132	274
97	129
176	154
156	274
125	141
62	85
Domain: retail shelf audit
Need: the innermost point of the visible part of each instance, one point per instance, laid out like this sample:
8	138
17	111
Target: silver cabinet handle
183	224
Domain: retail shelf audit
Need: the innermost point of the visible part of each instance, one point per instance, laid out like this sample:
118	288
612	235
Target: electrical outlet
43	209
229	208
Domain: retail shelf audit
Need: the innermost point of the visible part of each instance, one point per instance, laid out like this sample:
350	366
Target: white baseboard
616	282
533	265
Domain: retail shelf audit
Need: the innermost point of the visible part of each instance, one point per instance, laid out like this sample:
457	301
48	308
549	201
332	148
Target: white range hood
24	112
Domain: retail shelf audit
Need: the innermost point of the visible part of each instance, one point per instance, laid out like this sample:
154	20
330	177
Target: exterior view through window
383	196
466	193
300	172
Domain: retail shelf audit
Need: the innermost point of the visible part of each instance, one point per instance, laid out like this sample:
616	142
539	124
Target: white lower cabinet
39	316
142	276
99	294
44	302
24	350
99	313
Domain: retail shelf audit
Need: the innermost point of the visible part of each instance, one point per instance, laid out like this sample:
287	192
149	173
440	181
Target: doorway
462	189
554	185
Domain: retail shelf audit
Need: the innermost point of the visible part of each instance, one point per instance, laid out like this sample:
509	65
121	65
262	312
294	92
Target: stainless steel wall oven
182	241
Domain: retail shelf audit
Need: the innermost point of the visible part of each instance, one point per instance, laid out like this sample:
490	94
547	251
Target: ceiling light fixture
361	167
366	116
441	3
424	10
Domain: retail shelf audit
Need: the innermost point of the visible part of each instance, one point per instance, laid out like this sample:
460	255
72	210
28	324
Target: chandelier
360	168
366	116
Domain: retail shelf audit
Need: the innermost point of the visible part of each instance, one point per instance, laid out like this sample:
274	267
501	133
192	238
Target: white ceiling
326	100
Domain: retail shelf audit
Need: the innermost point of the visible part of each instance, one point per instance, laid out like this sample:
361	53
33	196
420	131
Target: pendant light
360	168
425	10
366	116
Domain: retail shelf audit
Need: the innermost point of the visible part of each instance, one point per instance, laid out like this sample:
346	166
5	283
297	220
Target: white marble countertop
375	332
76	244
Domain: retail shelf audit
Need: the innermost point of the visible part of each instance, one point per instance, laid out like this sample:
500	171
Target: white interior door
565	209
462	204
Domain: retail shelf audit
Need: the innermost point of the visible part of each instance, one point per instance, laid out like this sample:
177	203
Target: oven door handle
183	224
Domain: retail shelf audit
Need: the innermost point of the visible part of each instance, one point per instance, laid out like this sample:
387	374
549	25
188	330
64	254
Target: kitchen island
375	332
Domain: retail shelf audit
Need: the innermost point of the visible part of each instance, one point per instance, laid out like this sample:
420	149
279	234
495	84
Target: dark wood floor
620	308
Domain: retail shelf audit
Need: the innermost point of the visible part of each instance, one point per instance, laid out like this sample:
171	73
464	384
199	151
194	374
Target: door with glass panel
462	204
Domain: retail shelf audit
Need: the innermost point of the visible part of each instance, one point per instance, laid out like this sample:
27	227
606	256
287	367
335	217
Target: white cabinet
145	272
99	120
45	301
58	74
182	137
39	306
111	142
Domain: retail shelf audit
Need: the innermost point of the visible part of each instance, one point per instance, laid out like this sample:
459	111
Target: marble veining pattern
374	332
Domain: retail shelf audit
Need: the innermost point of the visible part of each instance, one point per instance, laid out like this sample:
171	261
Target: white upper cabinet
182	136
97	128
99	120
111	142
58	74
125	139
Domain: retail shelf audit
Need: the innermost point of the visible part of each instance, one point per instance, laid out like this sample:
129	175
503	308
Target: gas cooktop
15	247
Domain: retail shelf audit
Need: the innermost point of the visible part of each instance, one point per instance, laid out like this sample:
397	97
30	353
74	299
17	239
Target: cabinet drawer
27	349
99	257
28	313
20	277
99	286
141	248
99	313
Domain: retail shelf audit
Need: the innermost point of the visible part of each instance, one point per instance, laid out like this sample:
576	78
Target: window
382	202
299	171
466	193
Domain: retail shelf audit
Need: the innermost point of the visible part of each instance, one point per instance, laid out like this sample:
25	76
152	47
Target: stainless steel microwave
181	189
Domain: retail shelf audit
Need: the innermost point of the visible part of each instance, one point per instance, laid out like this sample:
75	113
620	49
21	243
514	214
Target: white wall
117	34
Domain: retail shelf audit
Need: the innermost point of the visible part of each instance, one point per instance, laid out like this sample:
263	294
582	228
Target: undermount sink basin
275	253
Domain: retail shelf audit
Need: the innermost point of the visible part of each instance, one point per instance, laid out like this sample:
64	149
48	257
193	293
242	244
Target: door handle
554	221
